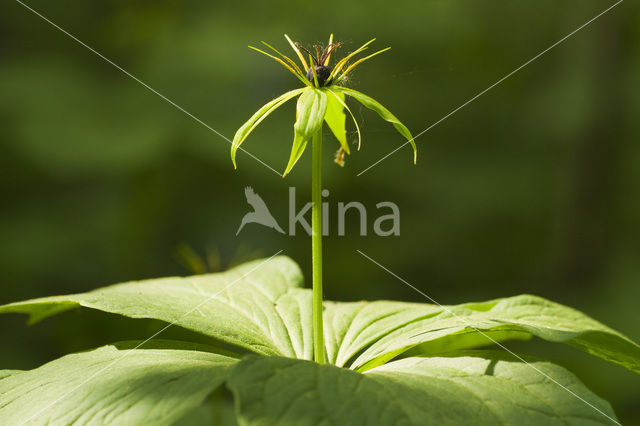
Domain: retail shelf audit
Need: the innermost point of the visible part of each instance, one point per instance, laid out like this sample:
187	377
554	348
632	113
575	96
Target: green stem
316	243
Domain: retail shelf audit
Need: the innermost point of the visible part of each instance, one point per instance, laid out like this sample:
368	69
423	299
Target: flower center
322	73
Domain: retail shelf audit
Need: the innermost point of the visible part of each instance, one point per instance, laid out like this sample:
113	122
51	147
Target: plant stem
316	243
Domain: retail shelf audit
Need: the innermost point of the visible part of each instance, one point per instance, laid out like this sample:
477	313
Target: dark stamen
328	50
300	46
315	46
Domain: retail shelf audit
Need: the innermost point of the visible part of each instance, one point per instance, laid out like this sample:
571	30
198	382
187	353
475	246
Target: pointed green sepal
339	96
336	117
384	113
260	115
310	113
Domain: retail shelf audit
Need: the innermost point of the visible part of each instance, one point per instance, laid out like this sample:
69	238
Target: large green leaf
258	306
383	112
352	327
476	387
256	118
7	373
383	330
310	112
112	385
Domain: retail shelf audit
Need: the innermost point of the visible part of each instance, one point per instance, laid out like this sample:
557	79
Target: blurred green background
532	188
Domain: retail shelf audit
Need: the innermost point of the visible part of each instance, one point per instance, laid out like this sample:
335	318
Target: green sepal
336	117
383	112
260	115
310	112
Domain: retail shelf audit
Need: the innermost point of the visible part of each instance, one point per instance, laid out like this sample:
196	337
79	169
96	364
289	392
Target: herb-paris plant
322	100
378	363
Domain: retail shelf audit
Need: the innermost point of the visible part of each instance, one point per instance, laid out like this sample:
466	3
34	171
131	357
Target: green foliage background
533	188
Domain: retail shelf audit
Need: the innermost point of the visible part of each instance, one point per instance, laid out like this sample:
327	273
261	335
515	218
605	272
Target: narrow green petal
295	49
310	112
326	61
384	113
359	61
315	74
288	59
344	60
260	115
287	66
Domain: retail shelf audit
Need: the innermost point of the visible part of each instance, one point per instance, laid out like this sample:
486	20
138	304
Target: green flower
321	99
